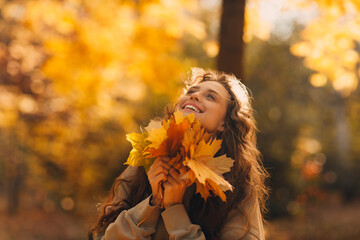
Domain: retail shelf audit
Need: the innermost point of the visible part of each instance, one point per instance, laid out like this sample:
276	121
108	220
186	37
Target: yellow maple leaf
218	190
179	117
200	188
207	149
169	144
138	156
193	136
157	134
208	178
166	138
220	165
137	140
188	140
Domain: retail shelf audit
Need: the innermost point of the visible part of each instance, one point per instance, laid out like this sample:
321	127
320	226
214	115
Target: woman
222	105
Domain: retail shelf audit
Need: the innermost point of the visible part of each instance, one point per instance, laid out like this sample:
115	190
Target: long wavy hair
239	142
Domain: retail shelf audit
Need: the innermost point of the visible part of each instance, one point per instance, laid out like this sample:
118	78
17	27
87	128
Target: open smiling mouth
192	108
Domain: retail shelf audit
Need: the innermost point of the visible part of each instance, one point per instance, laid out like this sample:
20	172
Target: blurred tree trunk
343	148
230	58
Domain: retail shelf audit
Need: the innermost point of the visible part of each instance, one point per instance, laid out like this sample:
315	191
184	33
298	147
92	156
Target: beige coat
174	222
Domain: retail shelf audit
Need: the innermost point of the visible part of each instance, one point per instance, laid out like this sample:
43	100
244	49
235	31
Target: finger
171	181
174	179
166	184
164	158
155	181
183	170
161	177
158	193
157	168
156	171
174	173
160	161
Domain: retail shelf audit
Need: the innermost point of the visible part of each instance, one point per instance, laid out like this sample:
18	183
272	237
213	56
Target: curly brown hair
248	175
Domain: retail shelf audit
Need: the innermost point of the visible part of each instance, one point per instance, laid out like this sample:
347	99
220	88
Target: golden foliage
99	48
139	142
255	24
87	68
188	144
328	44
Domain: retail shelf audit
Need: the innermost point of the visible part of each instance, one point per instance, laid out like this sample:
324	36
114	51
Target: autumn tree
78	75
330	46
231	44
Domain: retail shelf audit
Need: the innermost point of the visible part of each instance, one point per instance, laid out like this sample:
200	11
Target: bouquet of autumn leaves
186	143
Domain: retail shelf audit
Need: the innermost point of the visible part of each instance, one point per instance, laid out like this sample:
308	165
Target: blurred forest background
77	75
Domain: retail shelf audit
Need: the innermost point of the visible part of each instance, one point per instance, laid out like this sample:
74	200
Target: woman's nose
195	96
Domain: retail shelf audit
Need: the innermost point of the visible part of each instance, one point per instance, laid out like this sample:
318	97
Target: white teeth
192	108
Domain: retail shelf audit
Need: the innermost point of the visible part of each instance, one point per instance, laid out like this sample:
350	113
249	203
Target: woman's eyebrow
213	91
194	87
208	90
228	98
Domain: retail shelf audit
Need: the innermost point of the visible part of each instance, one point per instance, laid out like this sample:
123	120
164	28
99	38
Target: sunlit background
77	75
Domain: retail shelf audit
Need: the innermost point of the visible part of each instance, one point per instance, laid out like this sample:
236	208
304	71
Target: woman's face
208	100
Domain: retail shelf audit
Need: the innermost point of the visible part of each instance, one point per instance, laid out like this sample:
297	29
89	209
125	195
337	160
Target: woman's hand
157	174
174	187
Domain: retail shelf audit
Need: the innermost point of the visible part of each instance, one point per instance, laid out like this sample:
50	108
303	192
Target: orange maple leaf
174	135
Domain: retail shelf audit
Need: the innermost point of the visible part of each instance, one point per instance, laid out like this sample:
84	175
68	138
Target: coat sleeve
138	222
178	224
244	222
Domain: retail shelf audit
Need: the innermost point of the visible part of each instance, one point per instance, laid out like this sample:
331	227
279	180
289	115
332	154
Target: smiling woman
222	105
208	101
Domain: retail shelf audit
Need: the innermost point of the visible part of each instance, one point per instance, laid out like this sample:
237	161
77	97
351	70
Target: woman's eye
190	92
211	97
